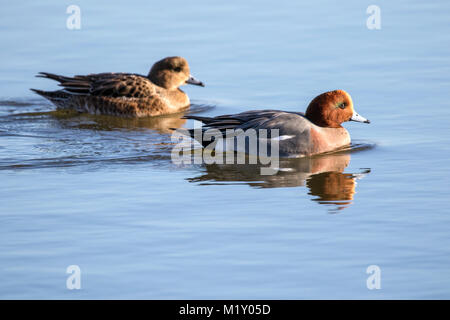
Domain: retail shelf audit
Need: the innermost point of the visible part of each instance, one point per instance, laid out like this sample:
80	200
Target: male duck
317	131
125	94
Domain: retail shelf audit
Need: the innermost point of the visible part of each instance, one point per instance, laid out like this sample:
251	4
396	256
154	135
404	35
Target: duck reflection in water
162	124
323	175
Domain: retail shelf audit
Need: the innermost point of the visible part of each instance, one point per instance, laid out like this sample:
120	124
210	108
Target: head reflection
323	175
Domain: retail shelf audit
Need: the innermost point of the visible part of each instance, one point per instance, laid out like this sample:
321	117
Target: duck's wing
105	84
286	122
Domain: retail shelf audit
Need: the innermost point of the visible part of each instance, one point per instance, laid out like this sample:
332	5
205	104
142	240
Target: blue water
102	193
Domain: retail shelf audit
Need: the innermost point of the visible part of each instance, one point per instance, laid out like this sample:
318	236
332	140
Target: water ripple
36	136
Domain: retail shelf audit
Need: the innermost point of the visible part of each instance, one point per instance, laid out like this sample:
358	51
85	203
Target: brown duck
125	94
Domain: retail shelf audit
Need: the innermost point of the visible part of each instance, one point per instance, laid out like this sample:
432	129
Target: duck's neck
320	121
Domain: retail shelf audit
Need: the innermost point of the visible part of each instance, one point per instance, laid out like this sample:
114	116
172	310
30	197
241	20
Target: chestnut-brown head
172	72
332	108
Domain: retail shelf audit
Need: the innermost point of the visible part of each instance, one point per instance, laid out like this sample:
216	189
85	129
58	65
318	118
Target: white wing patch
284	137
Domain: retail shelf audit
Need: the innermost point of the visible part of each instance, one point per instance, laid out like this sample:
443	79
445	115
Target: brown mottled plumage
125	94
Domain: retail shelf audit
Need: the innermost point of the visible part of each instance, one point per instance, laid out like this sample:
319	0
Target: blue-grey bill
194	81
356	117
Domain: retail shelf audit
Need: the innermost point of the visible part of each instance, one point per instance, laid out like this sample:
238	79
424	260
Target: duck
125	94
318	130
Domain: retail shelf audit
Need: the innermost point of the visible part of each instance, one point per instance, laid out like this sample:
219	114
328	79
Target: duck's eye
342	105
177	69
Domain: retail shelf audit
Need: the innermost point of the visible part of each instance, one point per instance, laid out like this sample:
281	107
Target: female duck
125	94
318	130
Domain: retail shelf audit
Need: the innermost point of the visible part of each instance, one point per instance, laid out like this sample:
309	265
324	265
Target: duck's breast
300	137
327	139
176	99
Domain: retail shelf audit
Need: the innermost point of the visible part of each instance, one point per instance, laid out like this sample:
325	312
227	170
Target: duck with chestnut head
125	94
318	130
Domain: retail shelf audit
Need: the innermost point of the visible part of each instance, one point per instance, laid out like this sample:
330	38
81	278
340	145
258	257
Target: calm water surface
102	193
